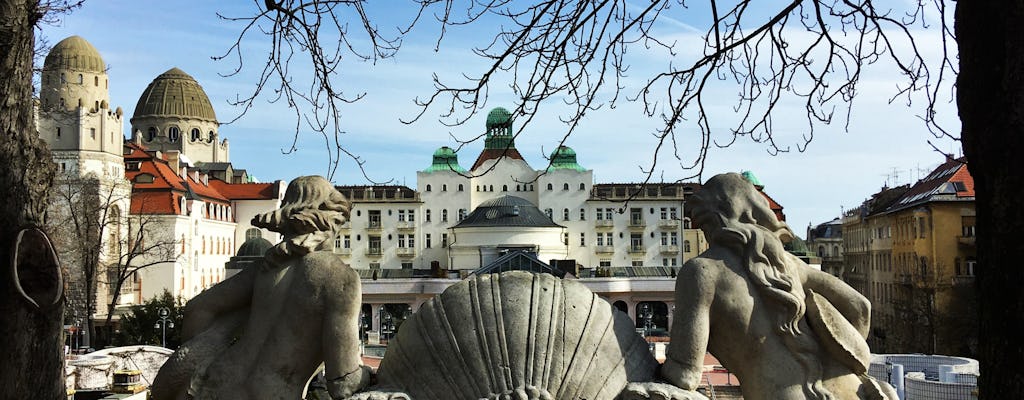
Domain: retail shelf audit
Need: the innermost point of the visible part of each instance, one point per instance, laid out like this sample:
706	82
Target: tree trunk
990	97
31	353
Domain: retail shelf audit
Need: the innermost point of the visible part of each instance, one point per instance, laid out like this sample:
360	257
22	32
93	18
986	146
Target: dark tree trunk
990	96
31	353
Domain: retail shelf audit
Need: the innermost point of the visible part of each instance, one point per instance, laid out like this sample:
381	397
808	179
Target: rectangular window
638	263
401	240
608	239
337	242
347	241
374	244
674	239
608	213
374	265
636	241
922	224
599	215
401	215
583	214
565	238
583	239
672	213
664	238
412	242
600	239
664	213
444	240
462	214
427	217
427	241
412	215
373	218
406	265
636	216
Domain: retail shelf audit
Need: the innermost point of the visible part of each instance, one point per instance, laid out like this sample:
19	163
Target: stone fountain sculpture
786	330
262	333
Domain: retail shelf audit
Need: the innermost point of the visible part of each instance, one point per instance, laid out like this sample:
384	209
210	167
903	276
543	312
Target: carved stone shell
516	335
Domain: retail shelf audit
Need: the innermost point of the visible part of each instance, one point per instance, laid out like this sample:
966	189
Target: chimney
173	160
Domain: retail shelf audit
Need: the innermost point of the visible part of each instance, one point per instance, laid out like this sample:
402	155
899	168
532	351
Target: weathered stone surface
262	333
745	300
514	335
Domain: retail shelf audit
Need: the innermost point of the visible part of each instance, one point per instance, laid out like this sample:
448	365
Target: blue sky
141	39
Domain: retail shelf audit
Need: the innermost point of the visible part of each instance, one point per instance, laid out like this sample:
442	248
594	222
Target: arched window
444	187
492	188
550	187
460	187
444	215
253	233
504	188
517	188
428	187
686	246
565	214
210	137
96	81
565	186
173	134
583	186
196	135
428	215
81	79
150	134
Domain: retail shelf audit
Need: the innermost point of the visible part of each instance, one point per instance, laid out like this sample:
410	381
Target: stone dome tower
74	111
174	113
74	75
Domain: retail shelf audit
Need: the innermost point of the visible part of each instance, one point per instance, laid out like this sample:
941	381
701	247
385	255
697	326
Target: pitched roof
496	154
949	181
157	188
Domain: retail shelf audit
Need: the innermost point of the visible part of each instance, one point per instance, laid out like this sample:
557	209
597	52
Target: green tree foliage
141	324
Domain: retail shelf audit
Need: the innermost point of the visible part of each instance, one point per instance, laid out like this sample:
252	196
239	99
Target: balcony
406	252
668	224
373	226
968	241
636	224
406	225
637	250
604	223
669	249
963	280
604	249
343	250
374	252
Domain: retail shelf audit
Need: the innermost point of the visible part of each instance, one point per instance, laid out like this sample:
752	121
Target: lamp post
164	323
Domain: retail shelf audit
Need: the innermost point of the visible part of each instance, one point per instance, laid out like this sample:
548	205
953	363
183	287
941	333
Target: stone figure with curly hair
262	333
786	330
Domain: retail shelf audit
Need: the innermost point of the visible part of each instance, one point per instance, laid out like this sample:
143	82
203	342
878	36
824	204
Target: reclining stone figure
786	330
262	333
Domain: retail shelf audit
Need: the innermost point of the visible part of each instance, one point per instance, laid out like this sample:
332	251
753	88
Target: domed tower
174	113
74	111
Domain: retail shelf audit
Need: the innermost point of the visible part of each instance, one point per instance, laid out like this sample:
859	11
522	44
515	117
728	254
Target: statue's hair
311	206
749	225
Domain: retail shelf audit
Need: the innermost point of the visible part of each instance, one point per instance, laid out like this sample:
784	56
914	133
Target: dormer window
132	166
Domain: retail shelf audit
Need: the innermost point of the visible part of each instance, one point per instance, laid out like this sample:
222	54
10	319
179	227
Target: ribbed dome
75	53
175	94
254	247
507	211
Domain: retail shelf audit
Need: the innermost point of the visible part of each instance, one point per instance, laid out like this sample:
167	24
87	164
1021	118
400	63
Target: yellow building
920	256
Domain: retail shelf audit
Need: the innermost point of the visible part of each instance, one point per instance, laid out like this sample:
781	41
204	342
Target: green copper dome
564	157
445	159
750	177
77	54
175	94
499	117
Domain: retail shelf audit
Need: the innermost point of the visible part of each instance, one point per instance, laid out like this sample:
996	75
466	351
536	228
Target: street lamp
164	323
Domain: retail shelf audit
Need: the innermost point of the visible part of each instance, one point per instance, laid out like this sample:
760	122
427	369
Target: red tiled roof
950	178
163	194
492	154
245	191
775	206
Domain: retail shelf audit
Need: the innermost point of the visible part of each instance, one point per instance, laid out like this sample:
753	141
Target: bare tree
811	51
145	244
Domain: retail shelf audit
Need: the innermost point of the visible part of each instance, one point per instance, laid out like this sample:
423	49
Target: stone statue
262	333
786	330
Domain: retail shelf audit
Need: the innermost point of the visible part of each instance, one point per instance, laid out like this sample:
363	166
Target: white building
173	178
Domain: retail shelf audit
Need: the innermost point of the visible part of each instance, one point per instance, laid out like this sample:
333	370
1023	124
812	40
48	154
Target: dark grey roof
213	166
507	211
519	260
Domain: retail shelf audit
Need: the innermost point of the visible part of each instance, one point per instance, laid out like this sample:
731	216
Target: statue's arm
342	362
854	306
695	290
231	294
